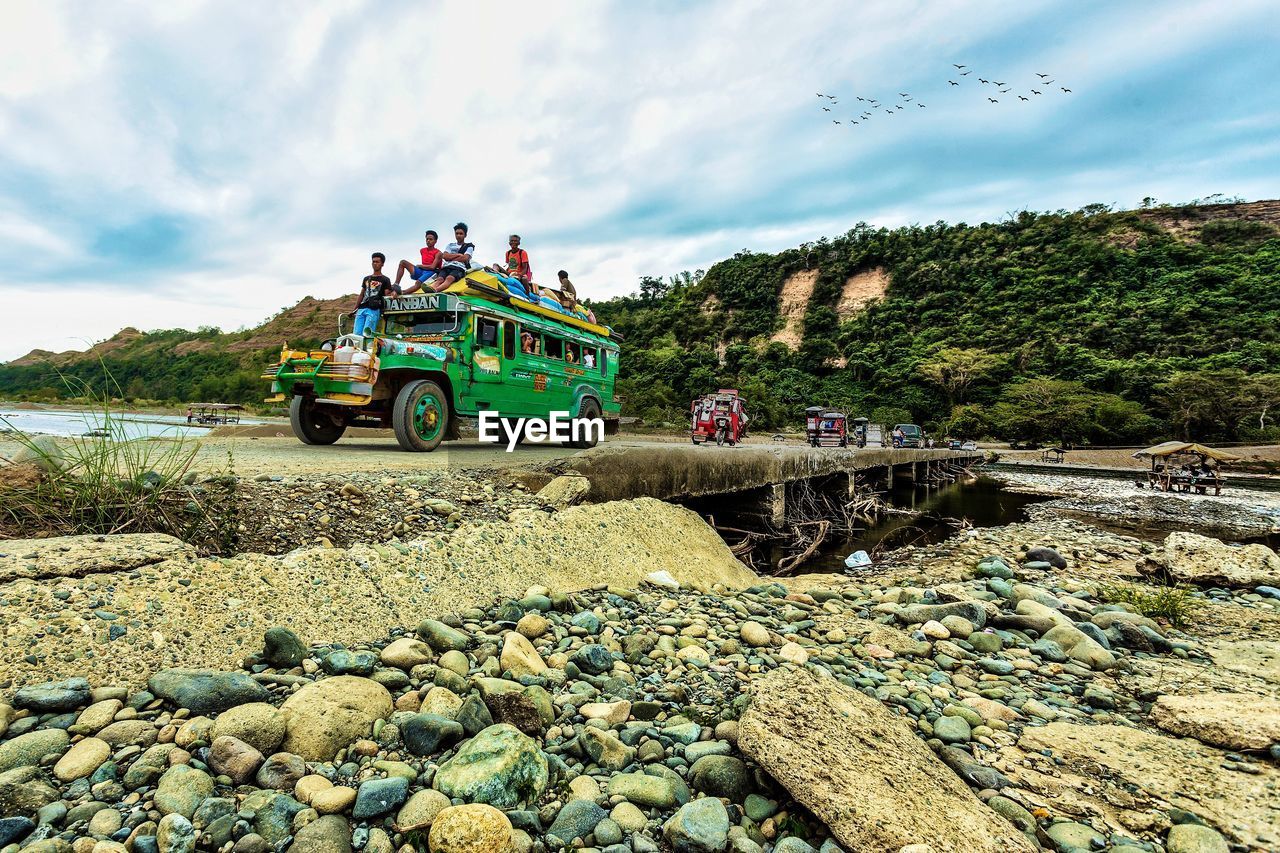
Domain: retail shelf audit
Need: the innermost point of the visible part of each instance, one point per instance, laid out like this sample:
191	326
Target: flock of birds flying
872	107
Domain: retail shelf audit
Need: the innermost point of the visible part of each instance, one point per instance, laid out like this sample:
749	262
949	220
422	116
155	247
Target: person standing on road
372	297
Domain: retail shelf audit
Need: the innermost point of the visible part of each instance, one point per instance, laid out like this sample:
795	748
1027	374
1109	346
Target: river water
982	502
123	425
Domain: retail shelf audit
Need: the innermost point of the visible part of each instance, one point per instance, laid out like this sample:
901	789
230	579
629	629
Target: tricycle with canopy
825	427
719	417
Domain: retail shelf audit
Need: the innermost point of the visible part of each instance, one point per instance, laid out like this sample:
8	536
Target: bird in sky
904	94
1041	76
965	73
1034	92
860	98
833	121
853	122
1064	88
953	82
960	66
993	100
921	106
820	95
1020	98
890	112
826	109
1047	82
997	82
1002	91
980	80
901	107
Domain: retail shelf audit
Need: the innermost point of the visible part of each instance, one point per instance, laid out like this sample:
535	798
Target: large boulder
861	770
259	724
1192	558
1124	762
565	491
1080	647
327	715
500	767
473	828
53	696
701	826
1228	720
328	834
26	750
206	691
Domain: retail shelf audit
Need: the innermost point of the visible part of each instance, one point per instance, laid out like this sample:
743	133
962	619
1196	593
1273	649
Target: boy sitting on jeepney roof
431	262
455	260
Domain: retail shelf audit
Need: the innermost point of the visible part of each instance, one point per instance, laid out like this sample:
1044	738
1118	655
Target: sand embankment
87	606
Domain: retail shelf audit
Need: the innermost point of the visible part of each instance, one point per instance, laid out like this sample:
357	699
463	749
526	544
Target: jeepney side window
509	335
573	353
486	332
553	347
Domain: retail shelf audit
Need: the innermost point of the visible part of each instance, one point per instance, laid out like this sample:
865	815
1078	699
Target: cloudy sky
182	163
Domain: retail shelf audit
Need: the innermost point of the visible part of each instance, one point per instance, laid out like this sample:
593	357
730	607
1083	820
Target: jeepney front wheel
314	424
421	415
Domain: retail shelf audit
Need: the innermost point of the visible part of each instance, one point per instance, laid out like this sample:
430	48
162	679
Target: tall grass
1177	605
115	484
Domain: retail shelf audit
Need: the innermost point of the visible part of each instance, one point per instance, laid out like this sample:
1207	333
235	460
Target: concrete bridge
753	477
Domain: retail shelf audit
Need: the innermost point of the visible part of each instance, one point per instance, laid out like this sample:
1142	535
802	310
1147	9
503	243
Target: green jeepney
440	357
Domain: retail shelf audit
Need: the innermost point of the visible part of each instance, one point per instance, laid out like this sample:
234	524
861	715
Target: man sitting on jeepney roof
456	259
515	265
431	262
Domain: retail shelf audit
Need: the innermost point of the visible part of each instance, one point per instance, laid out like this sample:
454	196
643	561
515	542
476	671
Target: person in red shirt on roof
425	270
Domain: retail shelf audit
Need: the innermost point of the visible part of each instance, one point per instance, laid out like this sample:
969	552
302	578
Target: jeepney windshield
423	323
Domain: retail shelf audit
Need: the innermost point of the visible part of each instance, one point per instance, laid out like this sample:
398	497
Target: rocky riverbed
990	693
1235	514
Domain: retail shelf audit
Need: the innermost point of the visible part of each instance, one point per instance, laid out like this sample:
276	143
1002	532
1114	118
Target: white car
969	445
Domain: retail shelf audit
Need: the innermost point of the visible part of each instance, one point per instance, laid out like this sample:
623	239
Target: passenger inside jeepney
526	342
571	353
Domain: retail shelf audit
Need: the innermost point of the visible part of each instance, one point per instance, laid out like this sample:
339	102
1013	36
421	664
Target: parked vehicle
969	445
825	427
440	357
907	435
954	444
718	417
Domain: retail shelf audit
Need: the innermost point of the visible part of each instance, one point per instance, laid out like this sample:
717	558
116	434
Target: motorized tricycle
825	427
720	417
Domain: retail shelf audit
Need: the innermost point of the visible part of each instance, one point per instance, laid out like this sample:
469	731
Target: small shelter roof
218	407
1169	448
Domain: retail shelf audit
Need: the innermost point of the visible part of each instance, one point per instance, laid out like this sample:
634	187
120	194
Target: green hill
1097	326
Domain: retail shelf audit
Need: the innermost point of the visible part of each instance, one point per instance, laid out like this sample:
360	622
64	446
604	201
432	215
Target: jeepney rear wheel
314	424
588	409
420	415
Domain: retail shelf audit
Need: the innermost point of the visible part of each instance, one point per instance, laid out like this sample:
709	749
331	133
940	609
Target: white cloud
291	139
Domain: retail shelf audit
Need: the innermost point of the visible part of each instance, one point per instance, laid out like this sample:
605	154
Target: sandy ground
59	598
1124	458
